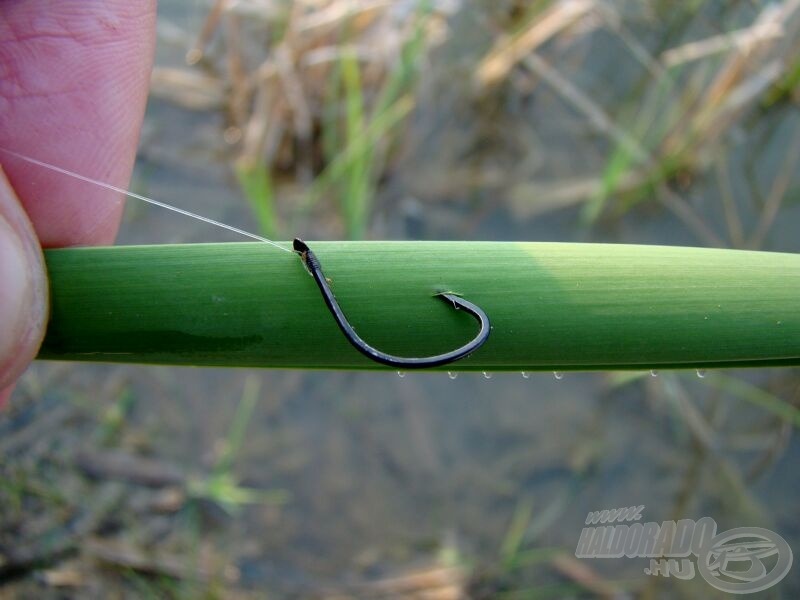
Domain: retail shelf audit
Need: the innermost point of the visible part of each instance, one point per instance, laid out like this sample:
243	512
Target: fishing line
120	190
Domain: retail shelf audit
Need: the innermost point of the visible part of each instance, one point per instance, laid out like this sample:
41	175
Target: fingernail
15	295
23	290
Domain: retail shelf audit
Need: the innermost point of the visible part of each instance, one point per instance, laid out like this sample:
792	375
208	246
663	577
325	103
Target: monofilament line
120	190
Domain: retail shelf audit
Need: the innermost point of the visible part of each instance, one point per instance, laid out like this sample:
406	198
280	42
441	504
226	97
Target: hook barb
313	266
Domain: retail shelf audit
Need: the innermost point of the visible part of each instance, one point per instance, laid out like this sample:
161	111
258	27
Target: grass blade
553	306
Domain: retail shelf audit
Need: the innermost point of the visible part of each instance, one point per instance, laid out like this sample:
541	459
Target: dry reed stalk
508	52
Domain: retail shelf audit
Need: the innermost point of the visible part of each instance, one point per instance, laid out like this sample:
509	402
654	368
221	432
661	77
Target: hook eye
312	264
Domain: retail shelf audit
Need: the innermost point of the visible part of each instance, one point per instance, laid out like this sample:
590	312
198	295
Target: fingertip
5	396
23	289
80	73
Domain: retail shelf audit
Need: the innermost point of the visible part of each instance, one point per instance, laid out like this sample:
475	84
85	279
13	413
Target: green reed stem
552	306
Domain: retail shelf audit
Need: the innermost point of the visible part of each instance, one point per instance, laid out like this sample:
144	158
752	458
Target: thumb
23	290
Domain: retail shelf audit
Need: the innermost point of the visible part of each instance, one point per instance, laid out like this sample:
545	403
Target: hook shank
314	267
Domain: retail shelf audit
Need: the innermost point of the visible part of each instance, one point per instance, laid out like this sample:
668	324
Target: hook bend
314	267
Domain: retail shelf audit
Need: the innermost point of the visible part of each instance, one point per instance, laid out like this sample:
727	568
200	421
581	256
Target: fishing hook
313	266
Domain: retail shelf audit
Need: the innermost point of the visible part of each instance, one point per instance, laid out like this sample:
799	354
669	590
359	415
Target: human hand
73	85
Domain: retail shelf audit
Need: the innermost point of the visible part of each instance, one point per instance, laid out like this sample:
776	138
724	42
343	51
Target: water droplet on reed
701	373
558	375
452	375
401	374
487	375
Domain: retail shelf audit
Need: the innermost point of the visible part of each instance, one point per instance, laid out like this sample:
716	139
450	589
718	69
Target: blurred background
650	122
